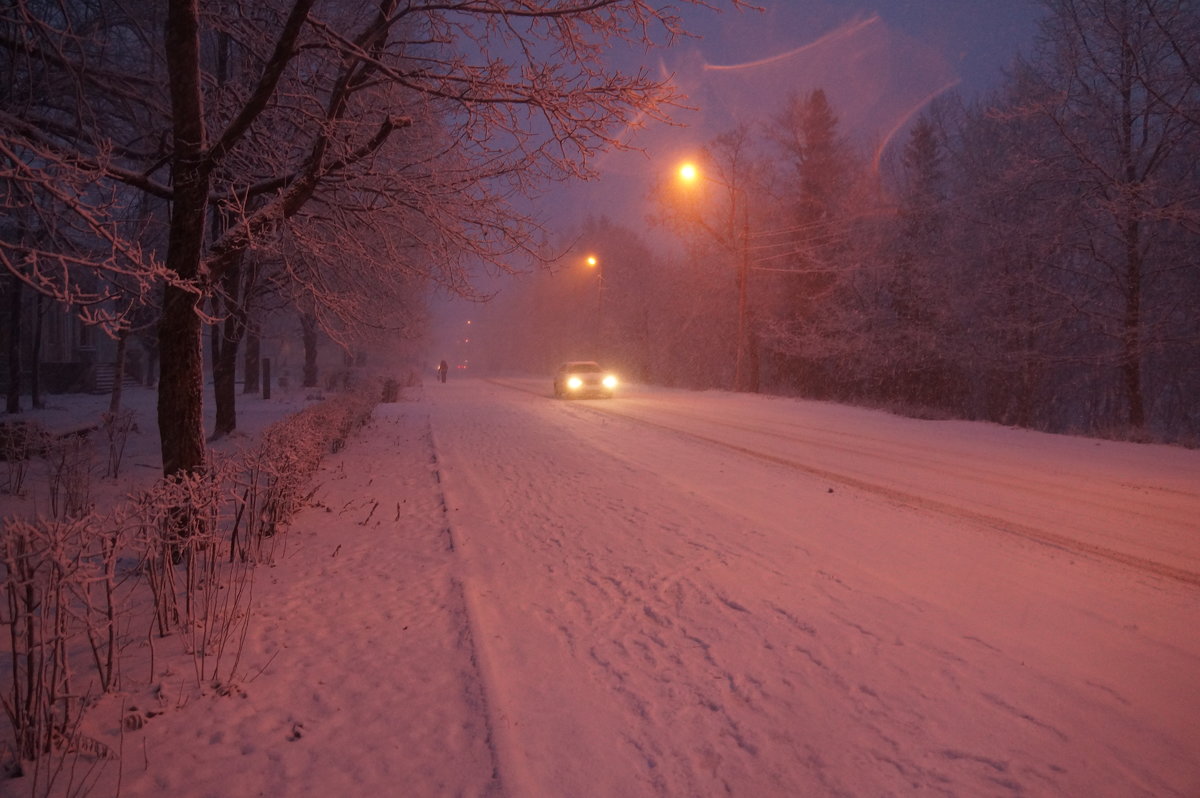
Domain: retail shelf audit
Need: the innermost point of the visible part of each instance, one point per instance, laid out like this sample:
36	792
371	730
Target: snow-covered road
497	594
687	594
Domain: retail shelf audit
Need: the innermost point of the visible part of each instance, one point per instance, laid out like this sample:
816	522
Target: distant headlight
574	383
610	381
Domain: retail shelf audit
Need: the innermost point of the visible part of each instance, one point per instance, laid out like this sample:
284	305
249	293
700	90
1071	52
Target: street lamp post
689	173
594	263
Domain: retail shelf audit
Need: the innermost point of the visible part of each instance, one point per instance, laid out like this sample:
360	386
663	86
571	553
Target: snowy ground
682	594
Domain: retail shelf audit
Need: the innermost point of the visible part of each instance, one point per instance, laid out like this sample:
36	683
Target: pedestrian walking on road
442	369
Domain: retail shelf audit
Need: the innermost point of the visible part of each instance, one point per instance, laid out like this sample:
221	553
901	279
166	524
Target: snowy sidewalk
359	671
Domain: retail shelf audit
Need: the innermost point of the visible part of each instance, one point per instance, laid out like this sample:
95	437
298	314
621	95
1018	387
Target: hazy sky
878	62
867	56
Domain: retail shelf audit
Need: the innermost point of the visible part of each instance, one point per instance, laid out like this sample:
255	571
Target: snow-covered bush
60	613
184	549
68	461
19	442
293	448
117	426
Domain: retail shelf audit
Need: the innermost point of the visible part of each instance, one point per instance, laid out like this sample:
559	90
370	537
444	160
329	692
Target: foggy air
623	398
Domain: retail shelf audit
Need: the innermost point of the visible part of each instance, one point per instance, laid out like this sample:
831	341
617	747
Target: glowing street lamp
689	173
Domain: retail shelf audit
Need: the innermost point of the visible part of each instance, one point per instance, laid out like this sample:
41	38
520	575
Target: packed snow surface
696	594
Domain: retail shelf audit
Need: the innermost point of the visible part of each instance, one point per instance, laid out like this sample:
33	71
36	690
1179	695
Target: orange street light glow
688	172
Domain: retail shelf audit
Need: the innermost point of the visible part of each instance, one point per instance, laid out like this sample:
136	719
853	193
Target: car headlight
574	383
610	381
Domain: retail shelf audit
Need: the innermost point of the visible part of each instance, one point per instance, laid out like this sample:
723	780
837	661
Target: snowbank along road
675	594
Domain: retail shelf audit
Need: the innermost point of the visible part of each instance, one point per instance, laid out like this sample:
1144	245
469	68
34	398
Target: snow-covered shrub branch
292	450
188	544
68	462
201	534
18	443
117	426
59	603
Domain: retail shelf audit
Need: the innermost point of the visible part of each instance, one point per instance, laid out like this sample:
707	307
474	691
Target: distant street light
689	173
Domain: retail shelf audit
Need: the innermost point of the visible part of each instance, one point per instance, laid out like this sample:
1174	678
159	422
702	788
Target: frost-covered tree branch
423	122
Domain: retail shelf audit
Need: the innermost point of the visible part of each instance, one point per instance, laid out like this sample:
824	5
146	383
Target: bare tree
1010	344
722	305
1119	90
120	102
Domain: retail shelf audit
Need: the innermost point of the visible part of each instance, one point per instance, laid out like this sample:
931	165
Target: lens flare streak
851	28
905	117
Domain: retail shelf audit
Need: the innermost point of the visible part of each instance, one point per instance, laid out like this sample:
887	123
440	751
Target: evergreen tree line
1028	258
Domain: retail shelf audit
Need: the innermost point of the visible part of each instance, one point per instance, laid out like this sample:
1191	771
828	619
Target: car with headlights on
578	378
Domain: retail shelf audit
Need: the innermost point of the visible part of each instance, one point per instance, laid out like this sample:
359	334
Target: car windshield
582	368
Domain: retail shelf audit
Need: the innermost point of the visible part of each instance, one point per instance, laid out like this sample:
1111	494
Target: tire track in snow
905	453
782	677
477	689
908	499
645	655
637	649
447	530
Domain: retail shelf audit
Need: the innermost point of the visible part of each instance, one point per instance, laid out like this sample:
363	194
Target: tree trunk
114	402
308	327
180	395
1131	355
252	361
225	354
225	375
150	377
181	361
35	367
14	345
225	391
753	370
214	334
